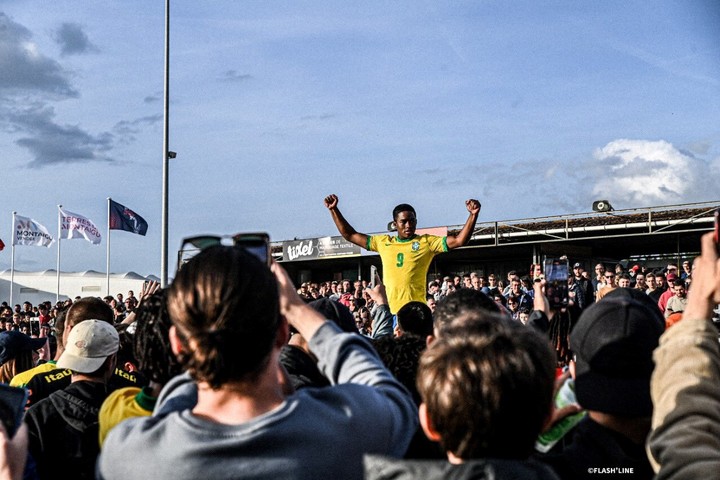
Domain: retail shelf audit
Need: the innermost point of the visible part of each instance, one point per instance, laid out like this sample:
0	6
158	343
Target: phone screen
256	243
259	251
373	275
556	270
556	288
12	406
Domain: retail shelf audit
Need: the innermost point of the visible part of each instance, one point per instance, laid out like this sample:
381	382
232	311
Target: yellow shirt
22	379
122	404
405	265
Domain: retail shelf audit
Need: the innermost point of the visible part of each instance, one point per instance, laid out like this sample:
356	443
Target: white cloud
635	173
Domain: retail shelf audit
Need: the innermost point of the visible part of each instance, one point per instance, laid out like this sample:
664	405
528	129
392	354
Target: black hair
403	207
151	344
415	318
337	312
463	301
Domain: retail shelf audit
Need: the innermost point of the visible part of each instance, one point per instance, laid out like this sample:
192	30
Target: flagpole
57	294
12	260
107	255
165	168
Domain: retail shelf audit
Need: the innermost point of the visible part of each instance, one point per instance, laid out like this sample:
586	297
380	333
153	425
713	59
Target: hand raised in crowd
472	205
559	414
331	201
377	293
148	289
13	453
299	314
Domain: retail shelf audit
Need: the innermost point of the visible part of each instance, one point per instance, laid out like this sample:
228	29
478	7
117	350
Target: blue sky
535	108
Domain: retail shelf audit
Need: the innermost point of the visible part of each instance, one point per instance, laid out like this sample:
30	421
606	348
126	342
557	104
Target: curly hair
151	342
225	307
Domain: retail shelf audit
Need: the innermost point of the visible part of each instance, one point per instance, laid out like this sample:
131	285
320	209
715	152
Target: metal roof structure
668	232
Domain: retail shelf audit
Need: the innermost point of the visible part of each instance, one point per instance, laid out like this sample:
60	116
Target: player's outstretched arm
463	237
345	229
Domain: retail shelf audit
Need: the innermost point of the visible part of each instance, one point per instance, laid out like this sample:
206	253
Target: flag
122	218
73	225
2	244
29	232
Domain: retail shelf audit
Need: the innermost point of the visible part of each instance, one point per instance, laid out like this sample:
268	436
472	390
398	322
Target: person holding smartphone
684	437
405	257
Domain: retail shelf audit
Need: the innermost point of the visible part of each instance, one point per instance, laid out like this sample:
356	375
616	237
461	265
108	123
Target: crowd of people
234	372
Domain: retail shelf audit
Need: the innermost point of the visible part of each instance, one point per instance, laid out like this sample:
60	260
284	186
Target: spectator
431	303
524	316
687	271
640	282
297	358
684	440
229	417
678	302
599	280
512	305
585	286
613	344
155	361
610	285
524	300
670	278
43	314
492	286
624	281
18	353
486	390
43	383
63	428
22	379
653	291
414	318
463	302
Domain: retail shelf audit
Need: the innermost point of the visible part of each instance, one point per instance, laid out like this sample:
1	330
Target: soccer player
407	256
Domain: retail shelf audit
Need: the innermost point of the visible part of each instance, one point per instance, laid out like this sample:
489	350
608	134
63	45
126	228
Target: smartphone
12	407
556	276
373	276
256	243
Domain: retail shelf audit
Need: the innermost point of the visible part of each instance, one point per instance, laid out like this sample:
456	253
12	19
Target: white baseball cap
89	344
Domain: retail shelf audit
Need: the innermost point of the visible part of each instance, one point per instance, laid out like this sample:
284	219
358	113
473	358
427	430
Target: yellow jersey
405	265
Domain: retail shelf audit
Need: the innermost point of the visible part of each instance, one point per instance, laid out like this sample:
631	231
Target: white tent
36	287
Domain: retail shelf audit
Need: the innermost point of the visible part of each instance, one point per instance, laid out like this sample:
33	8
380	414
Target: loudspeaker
602	206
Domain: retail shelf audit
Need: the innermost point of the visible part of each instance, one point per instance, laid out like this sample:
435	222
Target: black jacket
384	468
63	431
593	447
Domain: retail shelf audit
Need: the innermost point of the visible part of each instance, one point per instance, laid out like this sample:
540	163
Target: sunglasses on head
257	244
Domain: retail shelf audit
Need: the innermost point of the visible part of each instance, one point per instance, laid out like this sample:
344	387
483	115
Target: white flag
29	232
73	225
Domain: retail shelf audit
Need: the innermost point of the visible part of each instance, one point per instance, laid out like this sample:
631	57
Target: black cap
613	342
12	343
335	311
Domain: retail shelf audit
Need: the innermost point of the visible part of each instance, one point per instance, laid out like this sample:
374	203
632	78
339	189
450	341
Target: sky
535	108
